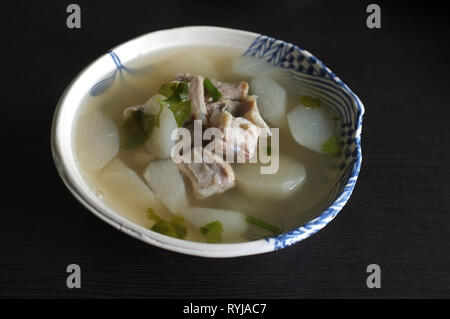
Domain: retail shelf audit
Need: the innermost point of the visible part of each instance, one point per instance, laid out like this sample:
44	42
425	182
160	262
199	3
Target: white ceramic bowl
298	64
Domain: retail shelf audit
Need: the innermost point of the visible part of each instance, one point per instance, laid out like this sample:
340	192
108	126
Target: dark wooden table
398	216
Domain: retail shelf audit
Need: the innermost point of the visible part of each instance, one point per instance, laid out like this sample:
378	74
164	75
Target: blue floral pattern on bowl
307	72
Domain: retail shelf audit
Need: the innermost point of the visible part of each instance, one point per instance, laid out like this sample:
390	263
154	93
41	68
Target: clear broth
130	89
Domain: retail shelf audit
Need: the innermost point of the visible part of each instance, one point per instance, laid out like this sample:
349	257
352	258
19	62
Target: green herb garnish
174	228
175	90
139	125
177	223
181	110
260	223
212	232
310	101
211	90
137	128
176	94
168	89
332	146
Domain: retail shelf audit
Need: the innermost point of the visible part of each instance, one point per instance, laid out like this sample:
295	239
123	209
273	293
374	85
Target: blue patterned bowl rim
304	67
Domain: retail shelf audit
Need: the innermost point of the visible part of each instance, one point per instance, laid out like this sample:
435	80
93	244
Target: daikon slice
131	194
165	180
252	67
159	143
152	105
311	127
284	183
97	141
271	100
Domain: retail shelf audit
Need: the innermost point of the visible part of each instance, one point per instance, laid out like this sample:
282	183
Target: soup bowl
298	65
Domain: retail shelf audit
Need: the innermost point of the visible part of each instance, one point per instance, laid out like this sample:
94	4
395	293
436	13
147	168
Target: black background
398	216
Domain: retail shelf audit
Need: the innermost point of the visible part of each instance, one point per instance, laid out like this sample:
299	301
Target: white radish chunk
130	193
271	100
311	127
191	63
152	105
284	183
165	180
252	67
97	141
233	222
159	143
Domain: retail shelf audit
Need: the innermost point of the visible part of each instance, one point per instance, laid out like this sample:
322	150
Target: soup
136	142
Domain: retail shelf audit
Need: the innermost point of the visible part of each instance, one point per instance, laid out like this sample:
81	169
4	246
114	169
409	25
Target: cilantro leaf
164	227
178	226
168	89
181	111
212	232
182	91
139	125
211	90
260	223
174	228
137	128
310	101
177	94
175	90
151	215
332	146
